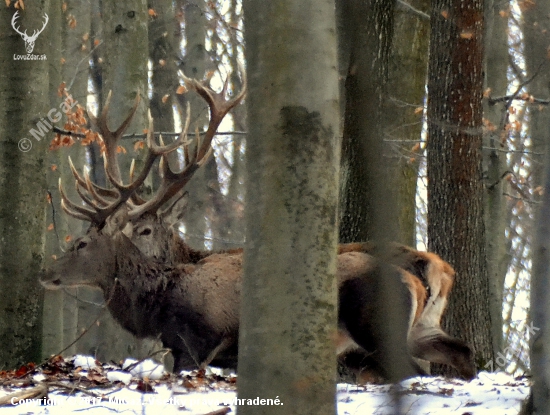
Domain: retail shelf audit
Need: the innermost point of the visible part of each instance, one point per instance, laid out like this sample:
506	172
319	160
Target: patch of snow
119	376
146	369
85	362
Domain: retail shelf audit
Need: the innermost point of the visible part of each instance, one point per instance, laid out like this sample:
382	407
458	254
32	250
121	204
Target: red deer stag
149	298
193	306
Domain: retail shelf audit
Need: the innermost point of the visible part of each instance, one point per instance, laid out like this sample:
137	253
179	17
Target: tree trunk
455	192
367	205
288	315
194	66
52	316
60	309
408	70
162	51
25	100
540	300
494	158
536	30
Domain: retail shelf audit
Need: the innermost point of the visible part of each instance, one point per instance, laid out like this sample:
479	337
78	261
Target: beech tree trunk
25	101
288	314
494	158
536	31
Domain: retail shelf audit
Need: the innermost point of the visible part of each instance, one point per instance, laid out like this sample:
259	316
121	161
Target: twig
77	339
53	215
222	346
85	58
530	99
503	175
151	354
419	13
189	350
523	199
143	136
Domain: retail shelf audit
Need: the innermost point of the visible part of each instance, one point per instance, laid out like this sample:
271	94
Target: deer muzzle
48	279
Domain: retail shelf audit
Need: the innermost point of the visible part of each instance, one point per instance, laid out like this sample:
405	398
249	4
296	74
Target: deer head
92	259
151	222
29	40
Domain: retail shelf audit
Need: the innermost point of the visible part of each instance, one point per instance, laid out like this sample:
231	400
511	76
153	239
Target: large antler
173	182
102	202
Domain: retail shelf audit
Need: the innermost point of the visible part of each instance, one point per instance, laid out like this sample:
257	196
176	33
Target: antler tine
87	183
111	138
149	161
184	133
155	150
75	173
173	182
219	107
74	214
102	207
72	209
91	188
90	202
135	198
101	121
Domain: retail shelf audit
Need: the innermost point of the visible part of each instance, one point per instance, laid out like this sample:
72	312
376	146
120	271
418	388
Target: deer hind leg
434	345
426	338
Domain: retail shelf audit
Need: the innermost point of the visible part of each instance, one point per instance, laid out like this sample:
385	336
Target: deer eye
145	232
81	244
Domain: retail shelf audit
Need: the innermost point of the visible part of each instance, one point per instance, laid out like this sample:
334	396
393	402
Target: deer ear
173	213
118	220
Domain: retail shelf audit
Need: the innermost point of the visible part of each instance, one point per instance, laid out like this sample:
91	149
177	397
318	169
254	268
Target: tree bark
288	315
408	70
367	203
537	41
124	72
195	65
494	159
367	208
61	309
162	51
455	193
25	100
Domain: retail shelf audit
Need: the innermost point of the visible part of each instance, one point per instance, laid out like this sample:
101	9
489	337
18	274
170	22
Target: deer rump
426	283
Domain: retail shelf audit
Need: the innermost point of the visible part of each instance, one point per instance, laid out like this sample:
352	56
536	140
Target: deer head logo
29	40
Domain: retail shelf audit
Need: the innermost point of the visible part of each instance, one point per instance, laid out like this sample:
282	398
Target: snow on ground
80	384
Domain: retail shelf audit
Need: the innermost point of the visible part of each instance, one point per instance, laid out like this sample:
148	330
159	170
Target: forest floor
81	384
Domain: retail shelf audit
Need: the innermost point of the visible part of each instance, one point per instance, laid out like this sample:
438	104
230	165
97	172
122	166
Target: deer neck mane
135	294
